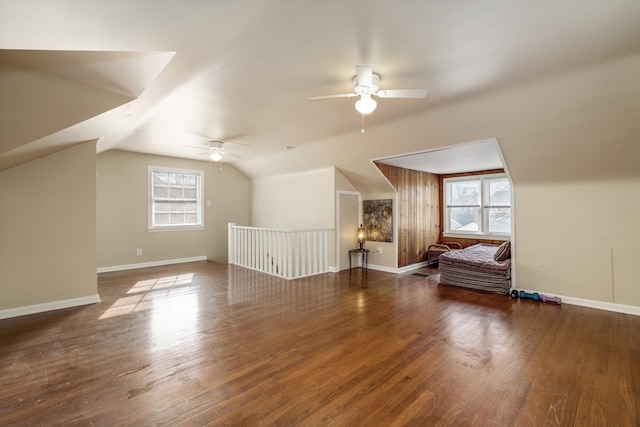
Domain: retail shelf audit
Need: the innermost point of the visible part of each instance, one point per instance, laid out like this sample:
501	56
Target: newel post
230	241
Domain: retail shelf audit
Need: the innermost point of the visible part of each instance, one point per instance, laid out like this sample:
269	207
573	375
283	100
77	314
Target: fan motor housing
375	81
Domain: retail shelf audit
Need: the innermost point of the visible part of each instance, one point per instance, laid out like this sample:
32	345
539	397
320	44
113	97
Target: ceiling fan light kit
366	105
366	84
216	150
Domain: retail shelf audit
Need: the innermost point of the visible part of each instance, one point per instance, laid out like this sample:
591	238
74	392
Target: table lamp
361	237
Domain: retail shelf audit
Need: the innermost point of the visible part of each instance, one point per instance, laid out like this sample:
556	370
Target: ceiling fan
215	150
366	85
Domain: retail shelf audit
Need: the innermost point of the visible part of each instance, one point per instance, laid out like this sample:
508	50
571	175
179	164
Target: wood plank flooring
207	344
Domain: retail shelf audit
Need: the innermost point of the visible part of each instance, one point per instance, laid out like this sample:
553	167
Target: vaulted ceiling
162	77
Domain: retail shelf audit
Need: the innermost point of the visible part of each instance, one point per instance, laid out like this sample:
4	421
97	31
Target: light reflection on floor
174	320
172	304
144	294
362	302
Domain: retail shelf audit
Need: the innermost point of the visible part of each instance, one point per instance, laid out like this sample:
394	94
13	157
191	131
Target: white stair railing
288	254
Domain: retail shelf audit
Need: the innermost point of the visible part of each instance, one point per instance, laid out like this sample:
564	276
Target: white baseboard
48	306
395	270
150	264
609	306
412	267
383	268
599	305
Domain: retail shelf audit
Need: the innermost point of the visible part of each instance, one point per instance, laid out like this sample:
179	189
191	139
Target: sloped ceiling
162	76
51	98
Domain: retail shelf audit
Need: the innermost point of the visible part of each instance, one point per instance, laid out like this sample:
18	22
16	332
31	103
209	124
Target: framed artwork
378	220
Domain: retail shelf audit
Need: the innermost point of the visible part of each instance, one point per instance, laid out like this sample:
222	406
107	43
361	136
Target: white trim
200	199
412	267
513	216
289	278
48	306
477	236
599	305
178	228
150	264
396	270
383	268
336	233
483	221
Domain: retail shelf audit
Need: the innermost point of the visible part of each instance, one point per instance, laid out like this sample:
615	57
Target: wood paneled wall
417	212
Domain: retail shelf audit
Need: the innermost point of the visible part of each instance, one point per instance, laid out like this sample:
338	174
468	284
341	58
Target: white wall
580	239
342	183
123	211
48	229
307	200
388	258
300	201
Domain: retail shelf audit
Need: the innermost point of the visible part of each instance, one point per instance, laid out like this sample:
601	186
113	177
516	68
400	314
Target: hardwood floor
207	344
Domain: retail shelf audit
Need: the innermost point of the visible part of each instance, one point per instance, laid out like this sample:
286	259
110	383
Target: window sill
478	236
180	228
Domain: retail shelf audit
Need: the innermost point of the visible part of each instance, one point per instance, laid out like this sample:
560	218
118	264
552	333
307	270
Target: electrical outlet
139	251
379	250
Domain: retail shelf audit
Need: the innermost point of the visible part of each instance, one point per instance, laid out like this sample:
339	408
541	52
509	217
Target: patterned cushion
503	252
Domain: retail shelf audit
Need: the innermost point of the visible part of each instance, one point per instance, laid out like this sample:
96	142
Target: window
477	206
175	199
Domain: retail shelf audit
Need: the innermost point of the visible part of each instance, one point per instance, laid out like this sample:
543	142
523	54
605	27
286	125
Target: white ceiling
158	76
471	157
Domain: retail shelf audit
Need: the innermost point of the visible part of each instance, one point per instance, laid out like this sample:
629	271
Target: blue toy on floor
534	296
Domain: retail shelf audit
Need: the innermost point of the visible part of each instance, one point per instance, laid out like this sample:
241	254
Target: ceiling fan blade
202	150
402	93
215	144
365	75
323	97
229	139
226	139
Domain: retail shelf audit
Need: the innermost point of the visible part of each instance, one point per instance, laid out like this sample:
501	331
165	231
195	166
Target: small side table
365	256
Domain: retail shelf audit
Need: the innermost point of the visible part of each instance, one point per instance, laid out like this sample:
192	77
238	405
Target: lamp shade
215	156
365	104
361	236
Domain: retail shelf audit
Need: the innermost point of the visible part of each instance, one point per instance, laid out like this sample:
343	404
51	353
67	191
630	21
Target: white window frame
199	200
483	206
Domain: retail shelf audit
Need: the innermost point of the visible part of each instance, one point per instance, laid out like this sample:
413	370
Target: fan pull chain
362	116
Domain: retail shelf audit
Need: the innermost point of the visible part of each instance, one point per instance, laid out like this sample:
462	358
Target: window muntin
498	205
175	199
463	202
478	205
